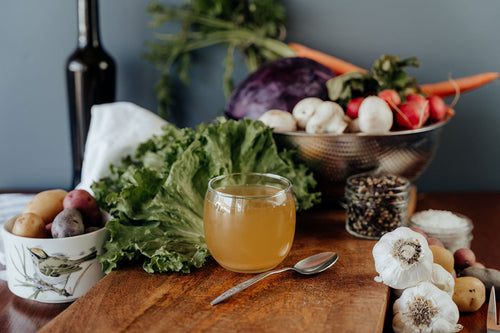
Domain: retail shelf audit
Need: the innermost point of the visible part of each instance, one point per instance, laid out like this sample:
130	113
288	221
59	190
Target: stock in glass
249	221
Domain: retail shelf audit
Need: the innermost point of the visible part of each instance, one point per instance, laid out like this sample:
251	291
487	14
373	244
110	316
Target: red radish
353	107
415	98
391	96
437	108
412	114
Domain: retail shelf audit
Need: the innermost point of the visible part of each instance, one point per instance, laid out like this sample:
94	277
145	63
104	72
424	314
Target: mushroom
354	126
375	115
279	120
304	110
328	118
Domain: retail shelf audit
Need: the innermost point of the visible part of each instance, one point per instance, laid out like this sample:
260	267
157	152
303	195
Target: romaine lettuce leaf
157	195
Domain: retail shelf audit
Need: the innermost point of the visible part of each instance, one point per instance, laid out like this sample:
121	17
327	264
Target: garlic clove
402	258
442	279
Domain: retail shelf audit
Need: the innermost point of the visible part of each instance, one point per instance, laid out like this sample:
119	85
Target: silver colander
334	157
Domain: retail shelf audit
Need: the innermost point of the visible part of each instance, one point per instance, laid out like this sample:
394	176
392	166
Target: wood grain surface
344	298
132	300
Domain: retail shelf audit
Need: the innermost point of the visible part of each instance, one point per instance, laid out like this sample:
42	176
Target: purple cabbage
278	85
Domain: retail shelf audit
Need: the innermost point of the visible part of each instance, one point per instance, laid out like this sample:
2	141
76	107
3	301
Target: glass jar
376	204
452	229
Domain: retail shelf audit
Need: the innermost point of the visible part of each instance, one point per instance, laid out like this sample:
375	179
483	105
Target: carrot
463	84
338	66
442	89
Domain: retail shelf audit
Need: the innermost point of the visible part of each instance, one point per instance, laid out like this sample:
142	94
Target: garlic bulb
402	258
425	309
442	279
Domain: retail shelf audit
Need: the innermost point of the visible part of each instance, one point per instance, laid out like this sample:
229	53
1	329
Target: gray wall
460	37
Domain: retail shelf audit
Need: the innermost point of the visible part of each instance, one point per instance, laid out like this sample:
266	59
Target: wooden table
344	298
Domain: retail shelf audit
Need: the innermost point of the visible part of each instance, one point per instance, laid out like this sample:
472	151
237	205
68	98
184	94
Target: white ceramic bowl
52	270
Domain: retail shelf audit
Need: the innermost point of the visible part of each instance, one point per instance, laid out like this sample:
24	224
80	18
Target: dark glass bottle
91	80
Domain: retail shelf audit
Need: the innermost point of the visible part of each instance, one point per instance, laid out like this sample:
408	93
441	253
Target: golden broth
249	228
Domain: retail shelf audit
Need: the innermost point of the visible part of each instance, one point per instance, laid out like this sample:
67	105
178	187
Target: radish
391	96
353	107
412	114
416	98
437	108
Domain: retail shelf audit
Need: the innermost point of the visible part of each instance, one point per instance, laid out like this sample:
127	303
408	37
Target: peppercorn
376	204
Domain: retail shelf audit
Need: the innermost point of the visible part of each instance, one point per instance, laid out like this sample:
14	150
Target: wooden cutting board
344	298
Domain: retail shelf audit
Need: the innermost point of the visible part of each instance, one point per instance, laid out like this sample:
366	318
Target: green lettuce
157	196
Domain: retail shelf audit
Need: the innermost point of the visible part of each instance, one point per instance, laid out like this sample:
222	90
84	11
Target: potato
420	231
464	258
443	257
478	264
434	241
46	204
68	223
29	225
86	204
489	276
469	294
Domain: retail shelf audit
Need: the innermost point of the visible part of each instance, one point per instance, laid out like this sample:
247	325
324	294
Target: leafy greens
157	196
388	72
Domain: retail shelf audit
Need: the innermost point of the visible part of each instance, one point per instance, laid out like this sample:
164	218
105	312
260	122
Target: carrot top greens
256	28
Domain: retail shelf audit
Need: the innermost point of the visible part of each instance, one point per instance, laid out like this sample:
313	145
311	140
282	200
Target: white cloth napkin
116	129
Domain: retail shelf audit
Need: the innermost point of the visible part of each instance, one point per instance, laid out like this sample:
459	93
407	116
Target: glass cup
249	221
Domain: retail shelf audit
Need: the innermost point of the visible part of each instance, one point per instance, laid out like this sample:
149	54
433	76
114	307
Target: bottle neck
88	24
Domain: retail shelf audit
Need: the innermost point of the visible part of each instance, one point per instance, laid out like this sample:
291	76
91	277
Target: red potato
420	231
478	264
437	108
435	241
86	204
412	115
68	223
48	228
464	258
391	96
353	107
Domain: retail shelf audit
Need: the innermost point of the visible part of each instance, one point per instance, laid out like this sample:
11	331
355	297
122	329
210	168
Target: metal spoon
310	265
